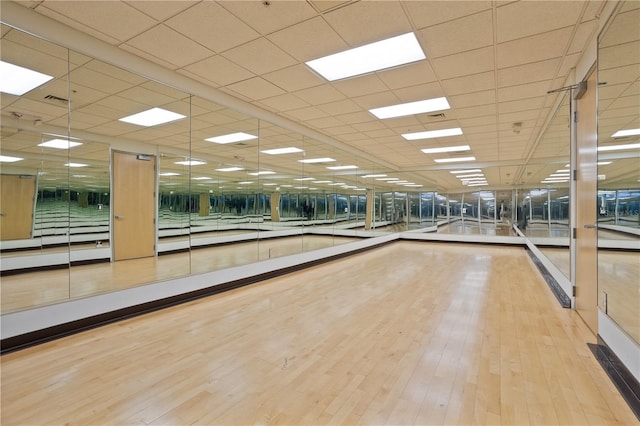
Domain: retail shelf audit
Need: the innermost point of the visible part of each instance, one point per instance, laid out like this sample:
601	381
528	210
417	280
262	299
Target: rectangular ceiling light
190	163
472	175
619	147
231	137
170	174
9	159
440	150
76	165
264	172
389	179
433	134
623	133
342	167
466	171
230	169
278	151
373	176
454	160
60	144
152	117
391	52
305	178
17	80
410	108
317	160
200	178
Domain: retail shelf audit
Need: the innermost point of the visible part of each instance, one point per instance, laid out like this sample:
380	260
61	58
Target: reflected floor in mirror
27	290
473	228
485	343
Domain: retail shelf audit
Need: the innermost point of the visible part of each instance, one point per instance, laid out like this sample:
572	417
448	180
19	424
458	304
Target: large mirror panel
619	169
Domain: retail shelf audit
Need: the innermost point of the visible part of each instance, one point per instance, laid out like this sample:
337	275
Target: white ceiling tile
115	19
219	70
568	63
354	23
428	13
260	56
624	29
324	122
521	105
268	19
284	102
308	113
409	75
345	106
294	78
360	86
212	26
354	118
163	42
256	88
308	40
420	92
533	49
472	99
469	84
524	91
471	32
583	34
472	62
529	73
541	16
320	94
161	9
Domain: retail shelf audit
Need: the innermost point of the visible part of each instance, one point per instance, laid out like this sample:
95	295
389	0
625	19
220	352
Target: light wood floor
409	333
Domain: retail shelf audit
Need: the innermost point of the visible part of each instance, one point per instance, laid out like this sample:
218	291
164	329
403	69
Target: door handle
119	216
591	226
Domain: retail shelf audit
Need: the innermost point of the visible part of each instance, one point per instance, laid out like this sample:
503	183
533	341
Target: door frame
112	244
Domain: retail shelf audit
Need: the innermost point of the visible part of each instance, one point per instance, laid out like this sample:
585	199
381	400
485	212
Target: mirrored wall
619	169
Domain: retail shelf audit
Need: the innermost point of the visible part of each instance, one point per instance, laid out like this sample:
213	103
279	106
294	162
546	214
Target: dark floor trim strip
23	341
557	291
621	377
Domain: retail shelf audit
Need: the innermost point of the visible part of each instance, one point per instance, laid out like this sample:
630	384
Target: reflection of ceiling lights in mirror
278	151
17	80
305	178
232	137
9	159
230	169
465	171
200	178
391	52
454	160
342	167
321	181
388	179
373	176
618	147
76	165
470	175
442	149
623	133
245	182
152	117
456	131
264	172
60	144
317	160
170	174
190	163
410	108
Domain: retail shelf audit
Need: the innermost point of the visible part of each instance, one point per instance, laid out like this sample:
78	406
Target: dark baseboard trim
557	291
621	377
23	341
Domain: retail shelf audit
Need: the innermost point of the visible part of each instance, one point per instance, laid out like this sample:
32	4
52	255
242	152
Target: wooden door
17	198
134	206
586	207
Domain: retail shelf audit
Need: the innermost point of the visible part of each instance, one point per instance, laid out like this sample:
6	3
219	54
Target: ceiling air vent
439	116
56	99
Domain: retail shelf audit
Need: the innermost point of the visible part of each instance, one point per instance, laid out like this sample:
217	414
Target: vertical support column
275	207
617	215
549	211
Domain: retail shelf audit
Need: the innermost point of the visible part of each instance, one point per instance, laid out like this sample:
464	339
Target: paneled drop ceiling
494	61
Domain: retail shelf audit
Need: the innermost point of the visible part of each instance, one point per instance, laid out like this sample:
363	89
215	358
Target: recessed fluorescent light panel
619	147
623	133
394	51
433	134
190	163
454	160
410	108
76	165
152	117
317	160
278	151
17	80
466	171
230	169
342	167
60	144
265	172
9	159
374	176
231	138
440	150
170	174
